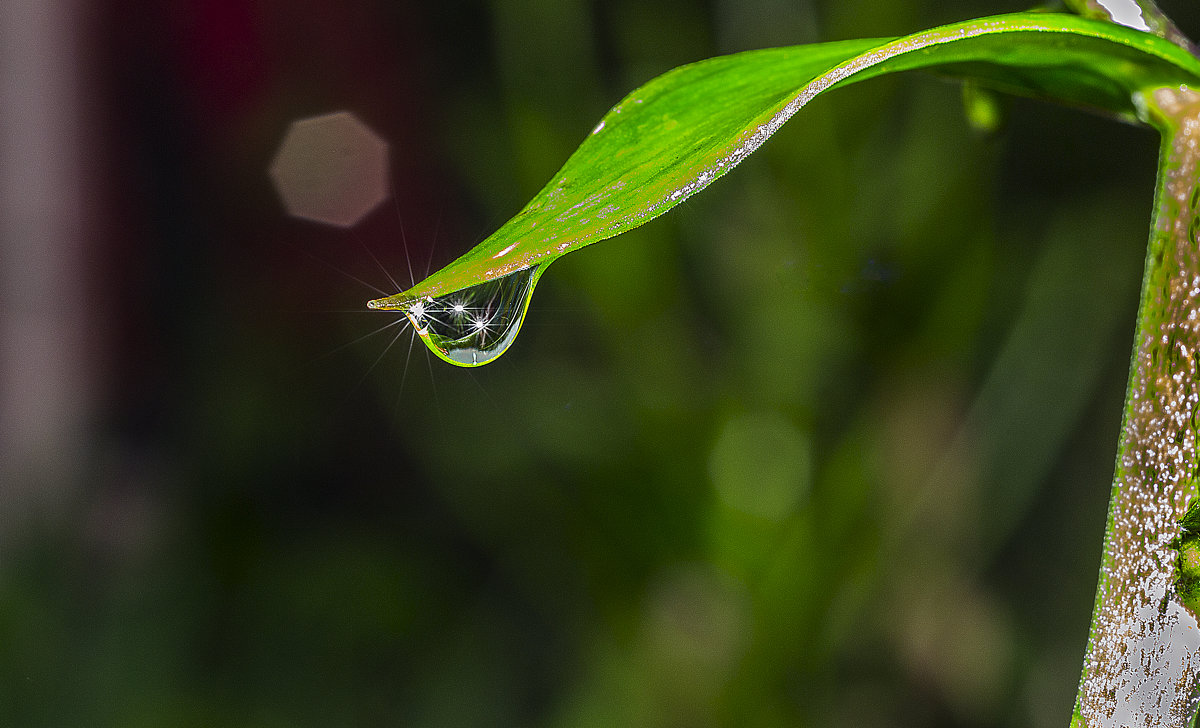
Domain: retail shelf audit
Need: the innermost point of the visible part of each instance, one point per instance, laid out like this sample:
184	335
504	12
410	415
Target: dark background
830	444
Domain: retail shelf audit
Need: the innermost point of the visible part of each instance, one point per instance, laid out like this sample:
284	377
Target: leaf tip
397	302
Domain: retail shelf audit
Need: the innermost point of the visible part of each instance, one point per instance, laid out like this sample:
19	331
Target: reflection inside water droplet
474	325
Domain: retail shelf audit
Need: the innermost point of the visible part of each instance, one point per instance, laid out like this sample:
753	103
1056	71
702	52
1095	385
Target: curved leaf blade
642	152
681	131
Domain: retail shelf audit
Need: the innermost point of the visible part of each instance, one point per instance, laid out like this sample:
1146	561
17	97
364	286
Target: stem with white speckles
1140	14
1143	656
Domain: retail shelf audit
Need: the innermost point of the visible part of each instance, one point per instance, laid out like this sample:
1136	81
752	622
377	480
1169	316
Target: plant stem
1143	658
1140	14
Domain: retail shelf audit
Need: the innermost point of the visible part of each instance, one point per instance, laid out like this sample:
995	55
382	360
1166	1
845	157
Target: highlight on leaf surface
683	130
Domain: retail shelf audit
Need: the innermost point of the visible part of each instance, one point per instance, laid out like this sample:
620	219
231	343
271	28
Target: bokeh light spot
760	465
331	169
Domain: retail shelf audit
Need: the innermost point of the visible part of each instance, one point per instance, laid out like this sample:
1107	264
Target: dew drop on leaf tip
471	326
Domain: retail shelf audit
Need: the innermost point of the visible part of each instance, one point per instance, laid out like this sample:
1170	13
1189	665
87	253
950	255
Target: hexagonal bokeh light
331	169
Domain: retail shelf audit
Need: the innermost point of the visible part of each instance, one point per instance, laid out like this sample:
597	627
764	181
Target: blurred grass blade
681	131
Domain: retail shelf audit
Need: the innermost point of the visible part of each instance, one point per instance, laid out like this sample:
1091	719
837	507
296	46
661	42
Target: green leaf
681	131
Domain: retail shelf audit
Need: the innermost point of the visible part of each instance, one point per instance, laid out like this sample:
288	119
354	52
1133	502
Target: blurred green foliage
929	326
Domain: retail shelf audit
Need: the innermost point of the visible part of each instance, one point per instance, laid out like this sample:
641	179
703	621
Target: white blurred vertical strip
42	312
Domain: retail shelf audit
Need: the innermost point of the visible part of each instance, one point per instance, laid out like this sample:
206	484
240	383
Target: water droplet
473	326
